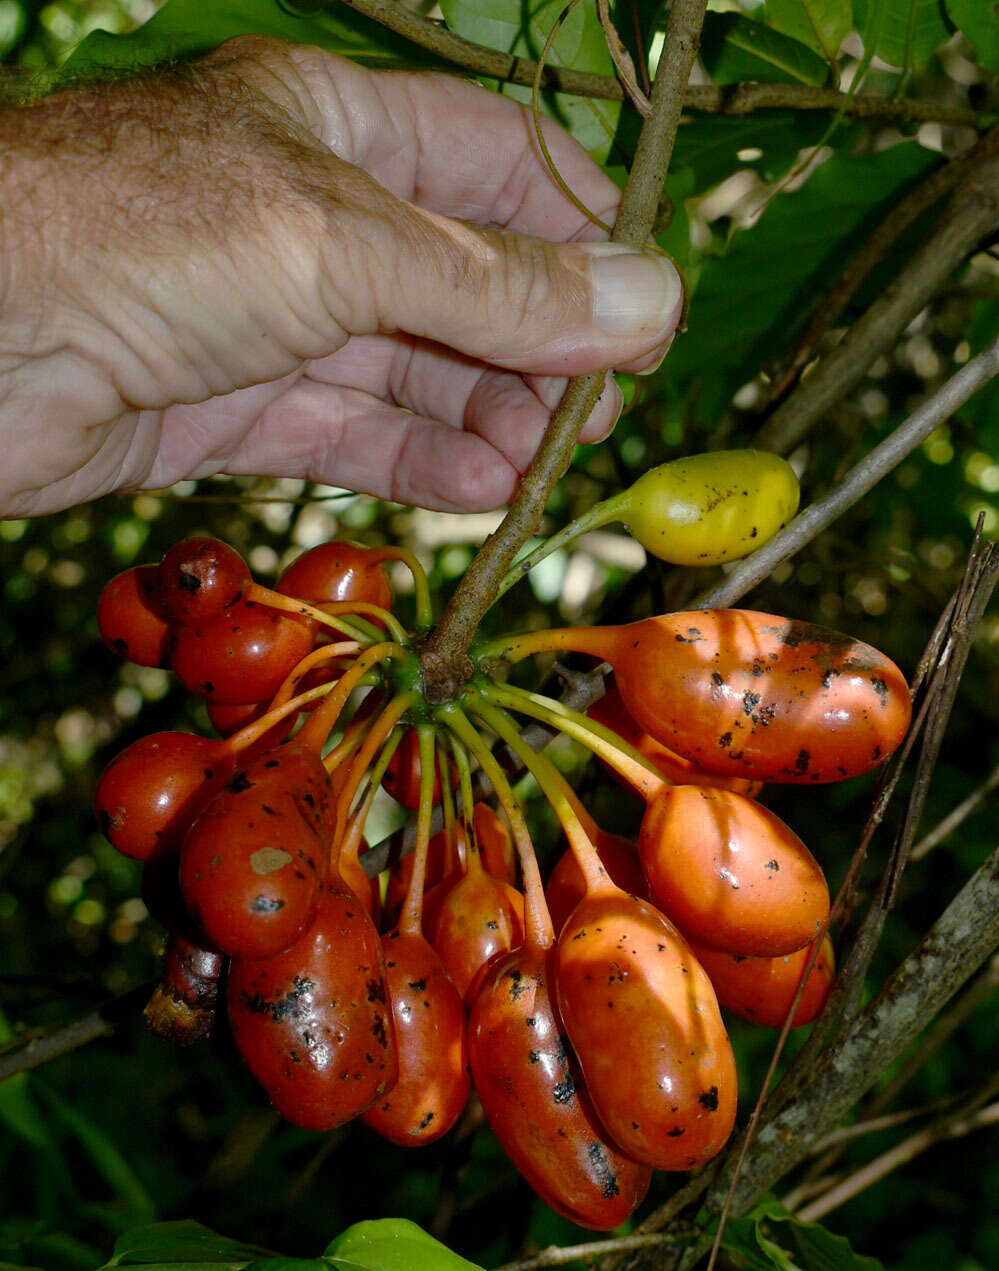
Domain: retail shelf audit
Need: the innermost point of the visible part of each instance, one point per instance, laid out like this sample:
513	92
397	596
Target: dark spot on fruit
378	1032
269	810
881	688
530	1021
516	985
208	687
725	740
606	1178
802	762
376	991
716	678
709	1099
563	1092
425	1122
266	904
240	782
534	1056
188	582
675	1132
418	986
492	926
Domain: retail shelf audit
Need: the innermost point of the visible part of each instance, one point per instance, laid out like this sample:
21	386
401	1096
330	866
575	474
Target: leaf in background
779	268
395	1244
904	32
979	22
710	146
522	27
184	1243
734	48
815	1248
821	24
190	28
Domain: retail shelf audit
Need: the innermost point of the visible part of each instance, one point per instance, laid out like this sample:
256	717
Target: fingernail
611	386
634	293
658	360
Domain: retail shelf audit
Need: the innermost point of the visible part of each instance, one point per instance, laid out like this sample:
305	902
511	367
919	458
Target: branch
444	658
38	1048
972	214
735	99
859	480
977	799
558	1256
940	182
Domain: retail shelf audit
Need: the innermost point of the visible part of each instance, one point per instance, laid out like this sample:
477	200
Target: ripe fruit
536	1103
643	1020
150	793
199	577
730	873
566	886
132	619
337	571
479	917
182	1008
762	989
312	1023
432	1044
253	864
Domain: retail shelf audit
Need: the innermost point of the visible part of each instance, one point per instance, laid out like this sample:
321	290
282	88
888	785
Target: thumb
499	296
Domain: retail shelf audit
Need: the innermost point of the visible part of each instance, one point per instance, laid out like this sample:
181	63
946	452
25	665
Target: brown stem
444	658
971	215
734	99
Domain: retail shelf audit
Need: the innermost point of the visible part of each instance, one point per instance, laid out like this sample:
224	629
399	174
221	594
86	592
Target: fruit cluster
586	1012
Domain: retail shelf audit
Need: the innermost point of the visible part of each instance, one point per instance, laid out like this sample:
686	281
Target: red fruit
535	1101
132	620
311	1024
199	577
479	917
254	863
730	873
495	844
643	1020
336	572
227	720
611	711
402	776
149	794
432	1043
243	656
566	885
762	989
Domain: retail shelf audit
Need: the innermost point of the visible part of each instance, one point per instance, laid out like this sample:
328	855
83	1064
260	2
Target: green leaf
110	1164
395	1244
184	1244
979	22
522	27
190	28
734	48
749	301
821	24
711	146
904	32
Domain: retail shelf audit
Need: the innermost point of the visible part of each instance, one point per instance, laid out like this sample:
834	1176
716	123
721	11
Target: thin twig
558	1256
622	59
859	480
973	803
734	99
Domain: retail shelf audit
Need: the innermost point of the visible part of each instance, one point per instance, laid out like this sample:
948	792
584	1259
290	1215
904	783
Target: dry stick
959	942
444	658
944	1028
558	1256
976	800
971	215
859	480
875	248
735	99
945	1127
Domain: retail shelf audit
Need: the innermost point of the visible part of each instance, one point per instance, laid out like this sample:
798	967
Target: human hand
277	262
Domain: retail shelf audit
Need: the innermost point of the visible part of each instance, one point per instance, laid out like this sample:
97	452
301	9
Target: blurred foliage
126	1131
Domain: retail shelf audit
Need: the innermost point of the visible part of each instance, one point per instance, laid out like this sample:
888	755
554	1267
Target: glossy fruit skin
131	618
478	918
227	720
729	873
199	577
337	571
535	1101
312	1024
402	776
402	873
253	865
432	1043
611	711
762	989
241	657
566	886
749	694
499	857
150	793
709	508
643	1020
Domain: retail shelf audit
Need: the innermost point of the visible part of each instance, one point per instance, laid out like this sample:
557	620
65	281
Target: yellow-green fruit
711	508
